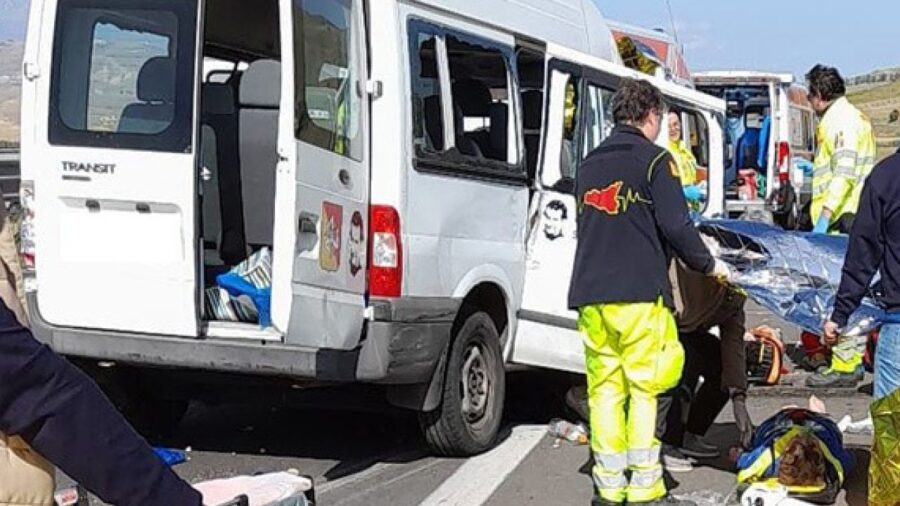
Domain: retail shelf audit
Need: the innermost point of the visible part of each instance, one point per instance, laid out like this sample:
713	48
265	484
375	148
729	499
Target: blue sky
778	35
782	35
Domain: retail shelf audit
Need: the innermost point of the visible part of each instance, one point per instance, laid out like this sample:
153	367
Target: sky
775	35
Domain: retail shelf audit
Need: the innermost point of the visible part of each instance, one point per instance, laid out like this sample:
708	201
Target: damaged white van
374	170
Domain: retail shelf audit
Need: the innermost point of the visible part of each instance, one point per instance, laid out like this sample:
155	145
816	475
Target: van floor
239	330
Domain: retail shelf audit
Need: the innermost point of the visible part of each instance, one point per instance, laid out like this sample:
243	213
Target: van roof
576	24
741	77
670	89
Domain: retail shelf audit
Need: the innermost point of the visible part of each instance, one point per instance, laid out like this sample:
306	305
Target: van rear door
113	164
323	175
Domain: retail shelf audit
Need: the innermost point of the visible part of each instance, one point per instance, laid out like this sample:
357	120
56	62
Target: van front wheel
468	418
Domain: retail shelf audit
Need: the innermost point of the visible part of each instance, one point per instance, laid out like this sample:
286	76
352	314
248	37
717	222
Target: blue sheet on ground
795	275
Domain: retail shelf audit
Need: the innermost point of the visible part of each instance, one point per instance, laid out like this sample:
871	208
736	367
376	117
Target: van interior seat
259	97
472	99
532	115
156	92
223	220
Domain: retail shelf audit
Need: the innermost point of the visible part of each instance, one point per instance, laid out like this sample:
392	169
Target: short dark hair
556	205
826	82
635	100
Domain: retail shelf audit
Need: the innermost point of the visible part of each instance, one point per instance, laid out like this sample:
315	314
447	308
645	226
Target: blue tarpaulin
795	275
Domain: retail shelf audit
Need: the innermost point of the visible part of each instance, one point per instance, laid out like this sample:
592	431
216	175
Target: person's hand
722	271
821	226
742	419
693	193
831	333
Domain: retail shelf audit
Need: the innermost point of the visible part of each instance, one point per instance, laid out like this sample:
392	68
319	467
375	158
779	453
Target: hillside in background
878	95
10	64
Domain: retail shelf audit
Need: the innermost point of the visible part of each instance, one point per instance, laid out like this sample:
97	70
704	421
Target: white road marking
476	480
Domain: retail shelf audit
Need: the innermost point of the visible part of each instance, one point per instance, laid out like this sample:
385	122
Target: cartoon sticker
357	244
330	237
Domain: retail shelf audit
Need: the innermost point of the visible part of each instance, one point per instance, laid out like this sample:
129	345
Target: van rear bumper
402	346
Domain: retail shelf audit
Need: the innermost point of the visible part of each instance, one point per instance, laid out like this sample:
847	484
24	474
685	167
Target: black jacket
874	243
632	217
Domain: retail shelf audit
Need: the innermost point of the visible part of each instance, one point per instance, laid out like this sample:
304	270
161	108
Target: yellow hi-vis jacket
845	155
687	164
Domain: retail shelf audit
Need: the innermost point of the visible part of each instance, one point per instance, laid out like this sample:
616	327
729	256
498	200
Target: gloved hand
742	418
693	193
722	271
821	226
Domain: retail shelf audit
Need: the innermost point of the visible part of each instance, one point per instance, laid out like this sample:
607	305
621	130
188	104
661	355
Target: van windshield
123	74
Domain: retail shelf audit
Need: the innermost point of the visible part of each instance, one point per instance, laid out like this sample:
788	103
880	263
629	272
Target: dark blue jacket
874	243
632	218
65	417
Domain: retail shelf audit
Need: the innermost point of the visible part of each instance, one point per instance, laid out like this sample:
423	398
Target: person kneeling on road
687	412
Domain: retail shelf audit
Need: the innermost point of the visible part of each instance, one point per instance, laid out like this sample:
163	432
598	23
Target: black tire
450	431
151	415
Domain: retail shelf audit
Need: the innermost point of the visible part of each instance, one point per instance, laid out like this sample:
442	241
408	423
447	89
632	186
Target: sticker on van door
357	243
330	240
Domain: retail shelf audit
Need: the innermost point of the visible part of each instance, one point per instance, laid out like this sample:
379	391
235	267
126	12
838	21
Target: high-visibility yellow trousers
632	355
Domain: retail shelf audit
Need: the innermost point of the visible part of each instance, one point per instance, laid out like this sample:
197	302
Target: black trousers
65	417
687	408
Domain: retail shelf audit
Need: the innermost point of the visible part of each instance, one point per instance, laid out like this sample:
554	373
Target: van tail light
385	252
26	232
784	163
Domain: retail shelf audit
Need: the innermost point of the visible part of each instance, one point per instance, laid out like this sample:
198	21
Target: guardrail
10	175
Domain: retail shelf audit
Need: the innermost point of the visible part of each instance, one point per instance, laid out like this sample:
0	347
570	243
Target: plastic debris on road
863	427
562	429
794	275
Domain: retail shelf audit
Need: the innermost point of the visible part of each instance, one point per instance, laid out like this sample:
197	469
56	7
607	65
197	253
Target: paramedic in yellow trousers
845	156
631	211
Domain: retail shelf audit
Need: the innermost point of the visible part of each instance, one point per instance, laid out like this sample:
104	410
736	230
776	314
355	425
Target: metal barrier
10	175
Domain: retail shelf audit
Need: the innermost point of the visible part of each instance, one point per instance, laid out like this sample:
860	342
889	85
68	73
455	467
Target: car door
113	165
319	253
579	117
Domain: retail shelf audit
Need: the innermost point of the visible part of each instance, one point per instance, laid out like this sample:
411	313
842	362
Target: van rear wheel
468	418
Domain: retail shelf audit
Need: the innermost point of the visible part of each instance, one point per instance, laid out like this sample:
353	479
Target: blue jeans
887	361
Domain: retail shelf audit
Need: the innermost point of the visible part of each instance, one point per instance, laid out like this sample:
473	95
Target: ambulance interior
747	133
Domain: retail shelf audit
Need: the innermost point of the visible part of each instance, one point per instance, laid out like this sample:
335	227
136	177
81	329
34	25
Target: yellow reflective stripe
646	479
612	462
643	457
653	164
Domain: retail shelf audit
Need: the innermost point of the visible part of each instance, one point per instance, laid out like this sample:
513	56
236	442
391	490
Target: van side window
428	122
479	76
564	115
123	77
598	118
698	138
327	45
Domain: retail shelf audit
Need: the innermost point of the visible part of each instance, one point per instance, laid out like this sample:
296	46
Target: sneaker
674	461
832	379
667	501
695	446
577	401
